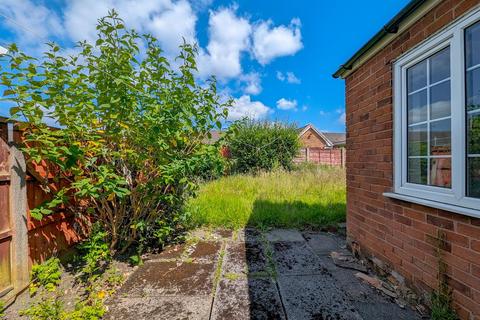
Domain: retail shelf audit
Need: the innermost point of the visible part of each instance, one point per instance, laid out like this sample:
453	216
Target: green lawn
312	196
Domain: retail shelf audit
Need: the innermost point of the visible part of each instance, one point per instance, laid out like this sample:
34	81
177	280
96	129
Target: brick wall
310	139
402	234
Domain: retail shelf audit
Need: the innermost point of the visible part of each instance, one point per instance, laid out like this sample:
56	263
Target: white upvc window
437	119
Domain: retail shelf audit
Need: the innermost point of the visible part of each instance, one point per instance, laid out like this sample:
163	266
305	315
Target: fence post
18	207
343	154
308	154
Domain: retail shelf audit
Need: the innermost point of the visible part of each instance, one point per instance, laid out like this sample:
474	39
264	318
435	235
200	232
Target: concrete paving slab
170	278
248	235
169	253
152	308
244	258
322	243
296	258
315	297
284	235
244	299
206	251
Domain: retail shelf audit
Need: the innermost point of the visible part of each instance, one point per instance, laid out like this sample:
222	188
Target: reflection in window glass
440	66
429	121
440	100
472	52
417	107
418	140
441	172
418	170
417	76
440	138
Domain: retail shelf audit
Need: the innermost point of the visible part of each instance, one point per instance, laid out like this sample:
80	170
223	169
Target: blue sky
275	57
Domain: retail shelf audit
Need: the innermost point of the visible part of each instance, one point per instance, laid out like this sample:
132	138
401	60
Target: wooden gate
6	233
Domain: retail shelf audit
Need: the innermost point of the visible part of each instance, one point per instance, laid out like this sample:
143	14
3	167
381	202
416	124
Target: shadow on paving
288	274
249	274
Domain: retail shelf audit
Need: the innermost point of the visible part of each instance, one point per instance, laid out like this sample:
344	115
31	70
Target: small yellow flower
101	294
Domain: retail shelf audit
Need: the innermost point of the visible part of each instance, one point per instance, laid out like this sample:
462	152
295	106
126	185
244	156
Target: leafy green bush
95	250
132	126
46	275
256	146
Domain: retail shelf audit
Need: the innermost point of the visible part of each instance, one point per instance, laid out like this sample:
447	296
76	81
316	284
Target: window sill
434	204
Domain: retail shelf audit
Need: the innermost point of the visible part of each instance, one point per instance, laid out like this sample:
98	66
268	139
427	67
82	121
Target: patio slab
170	278
282	274
284	235
244	258
150	308
296	258
247	298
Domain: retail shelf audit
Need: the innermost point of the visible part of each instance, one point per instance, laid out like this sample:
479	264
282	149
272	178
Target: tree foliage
256	146
131	127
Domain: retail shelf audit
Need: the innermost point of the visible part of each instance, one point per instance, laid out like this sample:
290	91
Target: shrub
46	275
256	146
132	127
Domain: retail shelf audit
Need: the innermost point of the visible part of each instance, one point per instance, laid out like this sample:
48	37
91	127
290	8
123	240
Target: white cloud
285	104
252	83
245	107
342	118
31	21
304	107
280	76
271	42
229	37
322	113
289	77
167	20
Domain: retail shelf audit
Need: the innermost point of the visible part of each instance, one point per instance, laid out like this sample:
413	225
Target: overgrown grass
310	196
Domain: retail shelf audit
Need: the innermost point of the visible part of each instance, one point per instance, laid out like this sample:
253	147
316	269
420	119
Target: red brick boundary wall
400	233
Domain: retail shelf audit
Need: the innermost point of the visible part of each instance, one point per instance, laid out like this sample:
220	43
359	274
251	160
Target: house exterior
321	147
413	147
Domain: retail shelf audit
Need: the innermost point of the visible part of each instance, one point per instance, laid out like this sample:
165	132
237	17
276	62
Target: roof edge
391	27
311	126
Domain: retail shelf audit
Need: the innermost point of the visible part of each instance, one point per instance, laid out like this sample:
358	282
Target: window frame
454	37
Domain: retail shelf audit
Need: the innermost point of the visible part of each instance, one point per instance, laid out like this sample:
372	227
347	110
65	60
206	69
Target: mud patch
170	278
206	252
244	299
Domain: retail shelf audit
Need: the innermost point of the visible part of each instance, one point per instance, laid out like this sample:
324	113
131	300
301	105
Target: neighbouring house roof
330	138
409	14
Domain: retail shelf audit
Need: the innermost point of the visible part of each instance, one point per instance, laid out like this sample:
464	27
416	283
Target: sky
275	58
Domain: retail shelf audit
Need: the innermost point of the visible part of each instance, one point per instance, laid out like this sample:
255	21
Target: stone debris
383	286
346	260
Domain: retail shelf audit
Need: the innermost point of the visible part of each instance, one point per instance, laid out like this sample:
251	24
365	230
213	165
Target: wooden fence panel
333	157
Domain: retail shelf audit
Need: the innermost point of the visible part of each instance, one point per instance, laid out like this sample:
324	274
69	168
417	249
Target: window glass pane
417	76
440	100
473	134
440	65
473	183
417	140
417	170
417	107
440	138
472	40
473	89
441	172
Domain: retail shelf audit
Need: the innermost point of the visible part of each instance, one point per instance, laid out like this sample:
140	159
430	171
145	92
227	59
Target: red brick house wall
310	139
397	232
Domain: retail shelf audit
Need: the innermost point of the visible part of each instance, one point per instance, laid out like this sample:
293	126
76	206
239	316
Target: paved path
282	274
